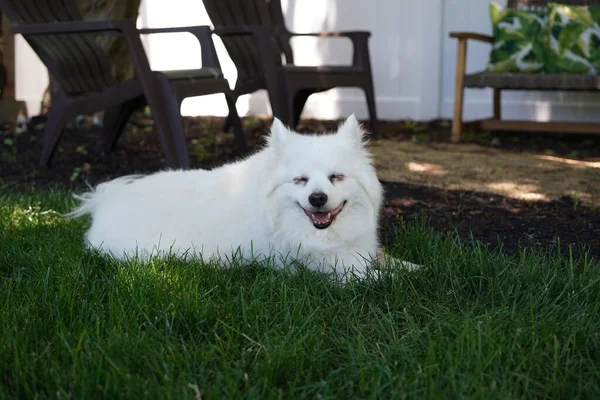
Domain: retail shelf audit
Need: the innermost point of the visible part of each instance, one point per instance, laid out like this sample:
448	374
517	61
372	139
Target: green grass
471	324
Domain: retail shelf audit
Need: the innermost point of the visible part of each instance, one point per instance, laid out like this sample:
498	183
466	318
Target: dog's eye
300	179
336	178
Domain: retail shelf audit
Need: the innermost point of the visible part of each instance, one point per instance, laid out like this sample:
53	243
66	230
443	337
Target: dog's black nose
317	199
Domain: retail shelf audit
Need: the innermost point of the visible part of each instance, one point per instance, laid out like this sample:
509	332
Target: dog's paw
389	260
407	265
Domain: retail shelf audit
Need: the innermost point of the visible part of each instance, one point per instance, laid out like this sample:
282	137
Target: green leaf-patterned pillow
574	39
520	38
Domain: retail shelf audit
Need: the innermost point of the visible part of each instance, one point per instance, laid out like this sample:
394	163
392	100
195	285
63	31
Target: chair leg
457	120
177	134
299	101
370	94
238	131
227	125
497	104
115	120
459	90
228	120
281	104
59	116
169	125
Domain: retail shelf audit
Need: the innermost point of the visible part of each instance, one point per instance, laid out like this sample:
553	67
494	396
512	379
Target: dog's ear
351	130
279	134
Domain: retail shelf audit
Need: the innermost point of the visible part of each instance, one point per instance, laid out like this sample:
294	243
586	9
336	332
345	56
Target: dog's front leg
386	259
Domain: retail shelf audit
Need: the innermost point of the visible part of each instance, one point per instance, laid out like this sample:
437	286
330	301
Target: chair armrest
72	27
334	34
242	30
263	36
461	54
360	44
472	36
202	33
123	28
202	29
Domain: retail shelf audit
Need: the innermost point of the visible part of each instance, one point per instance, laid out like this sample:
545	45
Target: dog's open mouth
322	219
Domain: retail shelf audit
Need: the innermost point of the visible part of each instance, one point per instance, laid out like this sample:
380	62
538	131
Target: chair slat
84	53
100	61
243	49
52	45
76	61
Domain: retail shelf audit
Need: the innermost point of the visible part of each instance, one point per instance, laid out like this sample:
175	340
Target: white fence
413	60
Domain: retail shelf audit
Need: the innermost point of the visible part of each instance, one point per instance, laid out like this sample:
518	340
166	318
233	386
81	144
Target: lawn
472	323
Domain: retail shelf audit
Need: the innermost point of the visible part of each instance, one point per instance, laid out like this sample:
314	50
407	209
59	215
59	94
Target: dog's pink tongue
321	217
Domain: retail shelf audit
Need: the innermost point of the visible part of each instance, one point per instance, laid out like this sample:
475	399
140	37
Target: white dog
314	199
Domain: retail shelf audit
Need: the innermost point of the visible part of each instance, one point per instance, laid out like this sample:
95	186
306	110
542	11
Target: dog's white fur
252	208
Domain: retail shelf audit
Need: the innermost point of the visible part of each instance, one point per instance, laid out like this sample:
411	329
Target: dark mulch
496	220
492	219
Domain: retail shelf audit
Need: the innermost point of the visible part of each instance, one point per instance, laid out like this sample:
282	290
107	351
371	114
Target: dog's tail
88	202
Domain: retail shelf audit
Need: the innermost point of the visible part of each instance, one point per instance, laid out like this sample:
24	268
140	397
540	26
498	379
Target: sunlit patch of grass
17	216
32	213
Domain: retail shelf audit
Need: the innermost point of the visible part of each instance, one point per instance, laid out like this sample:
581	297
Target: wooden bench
517	81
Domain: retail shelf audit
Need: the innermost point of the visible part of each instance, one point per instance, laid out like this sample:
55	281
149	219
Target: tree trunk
114	46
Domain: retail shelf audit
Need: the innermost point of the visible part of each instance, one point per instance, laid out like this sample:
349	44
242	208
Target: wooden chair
85	82
516	81
256	38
